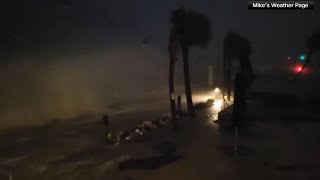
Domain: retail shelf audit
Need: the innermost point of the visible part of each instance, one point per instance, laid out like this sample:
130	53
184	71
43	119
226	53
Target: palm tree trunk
185	54
228	83
171	94
227	74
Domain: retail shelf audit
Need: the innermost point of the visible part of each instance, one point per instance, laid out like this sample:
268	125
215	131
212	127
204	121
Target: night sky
59	58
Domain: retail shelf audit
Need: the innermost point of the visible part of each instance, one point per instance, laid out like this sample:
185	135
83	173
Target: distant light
302	57
289	57
216	90
218	104
298	68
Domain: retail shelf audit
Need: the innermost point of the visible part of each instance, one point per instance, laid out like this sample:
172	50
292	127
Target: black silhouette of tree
313	45
176	28
235	47
189	28
238	48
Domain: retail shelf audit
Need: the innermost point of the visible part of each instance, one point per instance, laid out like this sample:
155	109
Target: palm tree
313	45
235	47
239	48
192	29
197	32
175	20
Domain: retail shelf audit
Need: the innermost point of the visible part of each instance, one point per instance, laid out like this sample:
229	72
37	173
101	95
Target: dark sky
45	27
69	58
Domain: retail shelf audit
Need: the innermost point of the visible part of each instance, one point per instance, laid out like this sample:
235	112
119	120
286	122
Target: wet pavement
282	143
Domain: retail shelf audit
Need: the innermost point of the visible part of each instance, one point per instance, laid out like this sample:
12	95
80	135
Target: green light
302	57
